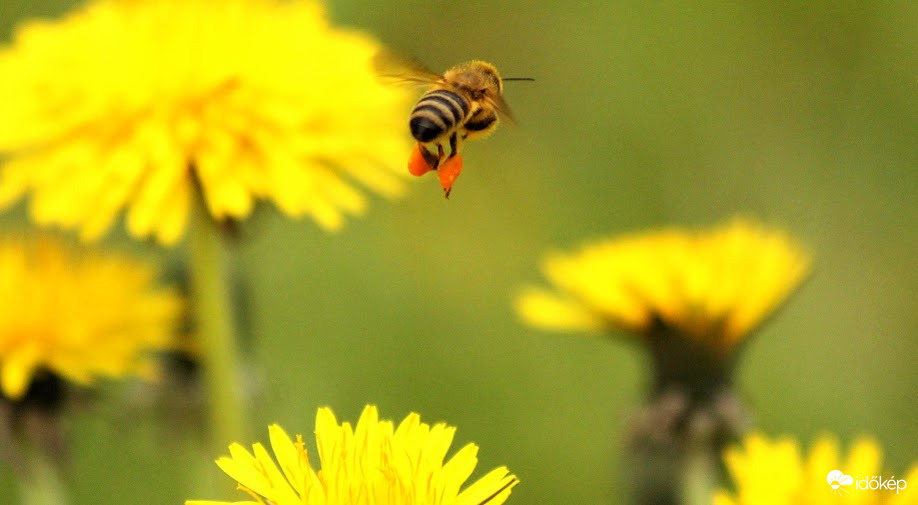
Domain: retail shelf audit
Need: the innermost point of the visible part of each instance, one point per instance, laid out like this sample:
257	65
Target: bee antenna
518	79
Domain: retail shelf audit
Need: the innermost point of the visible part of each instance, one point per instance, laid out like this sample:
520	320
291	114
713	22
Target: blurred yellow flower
711	286
81	315
138	105
372	464
773	472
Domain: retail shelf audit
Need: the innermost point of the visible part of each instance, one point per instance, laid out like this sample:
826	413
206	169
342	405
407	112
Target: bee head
477	78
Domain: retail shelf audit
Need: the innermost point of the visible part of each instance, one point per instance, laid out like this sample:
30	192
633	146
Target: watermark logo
838	480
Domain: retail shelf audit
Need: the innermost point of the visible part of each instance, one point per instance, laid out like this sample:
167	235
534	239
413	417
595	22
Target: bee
463	103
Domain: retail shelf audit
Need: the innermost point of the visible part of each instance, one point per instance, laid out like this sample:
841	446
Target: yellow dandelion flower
372	464
81	315
713	286
774	472
139	105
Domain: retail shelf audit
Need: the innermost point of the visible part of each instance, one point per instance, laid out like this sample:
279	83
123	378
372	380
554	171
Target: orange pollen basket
417	165
449	172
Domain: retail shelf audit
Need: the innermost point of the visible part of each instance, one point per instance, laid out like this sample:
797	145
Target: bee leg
451	167
421	160
436	163
433	160
453	145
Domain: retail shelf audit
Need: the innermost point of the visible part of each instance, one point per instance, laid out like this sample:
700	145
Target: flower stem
214	324
699	475
42	483
674	473
691	415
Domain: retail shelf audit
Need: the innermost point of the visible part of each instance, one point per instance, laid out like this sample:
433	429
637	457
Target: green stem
214	324
673	473
699	475
42	483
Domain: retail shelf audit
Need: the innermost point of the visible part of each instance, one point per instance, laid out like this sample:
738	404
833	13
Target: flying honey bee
463	103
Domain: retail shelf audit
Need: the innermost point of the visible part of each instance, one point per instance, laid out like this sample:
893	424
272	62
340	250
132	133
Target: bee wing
397	69
501	106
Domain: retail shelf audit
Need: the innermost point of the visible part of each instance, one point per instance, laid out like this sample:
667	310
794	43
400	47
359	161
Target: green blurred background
804	114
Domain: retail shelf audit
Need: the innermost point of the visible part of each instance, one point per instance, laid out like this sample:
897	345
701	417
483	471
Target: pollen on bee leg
417	163
449	172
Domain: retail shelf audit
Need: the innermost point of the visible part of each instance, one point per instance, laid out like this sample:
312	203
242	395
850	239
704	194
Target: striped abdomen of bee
438	113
